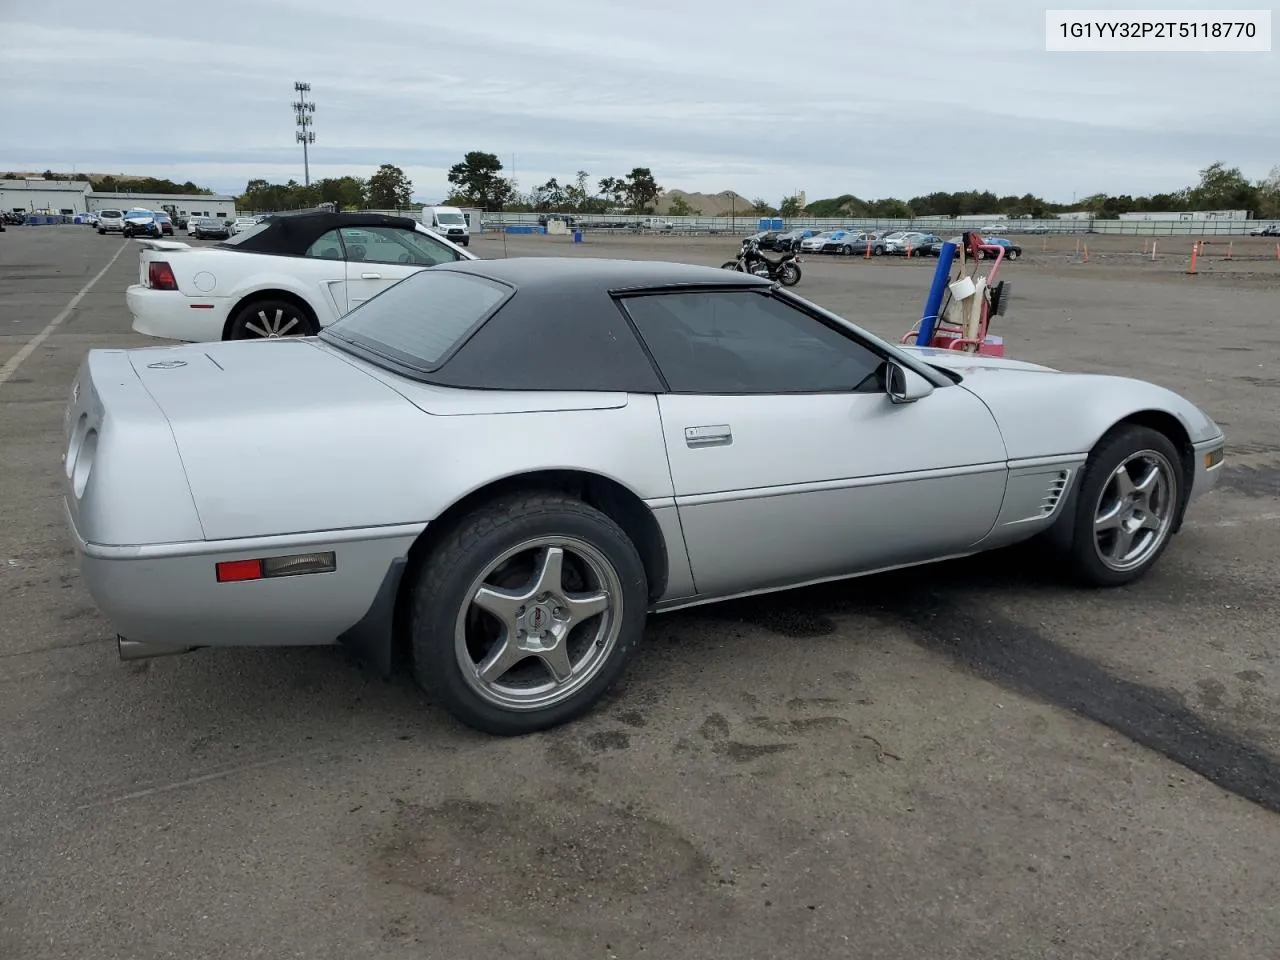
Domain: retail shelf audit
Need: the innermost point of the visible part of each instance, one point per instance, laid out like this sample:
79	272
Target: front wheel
1127	506
730	265
846	251
789	274
269	320
527	613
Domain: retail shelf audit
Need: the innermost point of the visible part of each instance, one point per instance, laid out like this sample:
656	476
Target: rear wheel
271	319
846	250
1011	254
1127	507
527	613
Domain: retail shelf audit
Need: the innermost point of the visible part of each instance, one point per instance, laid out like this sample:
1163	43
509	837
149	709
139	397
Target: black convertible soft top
292	234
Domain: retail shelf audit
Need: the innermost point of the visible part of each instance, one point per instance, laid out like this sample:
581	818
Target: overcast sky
885	98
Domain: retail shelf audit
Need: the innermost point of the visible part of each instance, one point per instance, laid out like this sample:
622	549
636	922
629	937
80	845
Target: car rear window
421	320
111	213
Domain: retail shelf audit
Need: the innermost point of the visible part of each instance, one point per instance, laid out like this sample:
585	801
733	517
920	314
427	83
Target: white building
36	195
1190	215
185	205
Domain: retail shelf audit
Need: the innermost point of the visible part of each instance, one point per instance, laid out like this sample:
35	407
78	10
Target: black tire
846	251
282	315
877	251
729	265
789	273
441	606
1127	441
1011	254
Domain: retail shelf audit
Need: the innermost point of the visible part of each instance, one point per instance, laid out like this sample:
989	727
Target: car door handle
719	435
370	276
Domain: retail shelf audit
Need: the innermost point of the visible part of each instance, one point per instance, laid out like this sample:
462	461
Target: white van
449	223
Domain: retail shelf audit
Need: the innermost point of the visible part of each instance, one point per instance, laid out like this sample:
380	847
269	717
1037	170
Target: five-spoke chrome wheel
1135	510
1127	508
527	611
540	623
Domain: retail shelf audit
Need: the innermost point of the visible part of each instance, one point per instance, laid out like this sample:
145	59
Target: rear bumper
165	598
175	316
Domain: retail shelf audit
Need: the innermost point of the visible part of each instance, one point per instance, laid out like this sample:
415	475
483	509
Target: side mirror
904	385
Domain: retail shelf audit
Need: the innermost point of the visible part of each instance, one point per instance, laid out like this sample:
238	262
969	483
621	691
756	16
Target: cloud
829	97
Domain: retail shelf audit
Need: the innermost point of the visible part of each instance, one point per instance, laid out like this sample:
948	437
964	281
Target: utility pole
303	110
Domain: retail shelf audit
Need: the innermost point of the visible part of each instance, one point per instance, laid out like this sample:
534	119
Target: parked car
765	239
837	240
209	228
486	457
287	276
110	221
789	242
912	240
1271	231
856	244
240	224
87	218
143	223
814	242
1011	250
166	223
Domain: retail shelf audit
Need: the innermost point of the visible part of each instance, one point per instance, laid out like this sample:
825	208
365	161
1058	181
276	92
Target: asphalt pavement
969	761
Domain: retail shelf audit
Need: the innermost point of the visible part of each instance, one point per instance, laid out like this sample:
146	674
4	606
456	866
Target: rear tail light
238	571
160	276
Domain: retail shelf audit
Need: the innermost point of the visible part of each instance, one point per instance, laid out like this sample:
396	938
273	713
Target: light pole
303	109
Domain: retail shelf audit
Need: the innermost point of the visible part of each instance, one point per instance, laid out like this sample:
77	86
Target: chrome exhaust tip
142	650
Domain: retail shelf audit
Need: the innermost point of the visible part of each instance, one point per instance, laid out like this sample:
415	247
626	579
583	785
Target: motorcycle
750	260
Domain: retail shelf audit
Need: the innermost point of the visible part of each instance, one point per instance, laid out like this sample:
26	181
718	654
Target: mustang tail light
160	276
265	568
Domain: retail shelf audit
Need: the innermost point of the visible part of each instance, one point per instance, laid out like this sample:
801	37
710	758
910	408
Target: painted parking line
13	363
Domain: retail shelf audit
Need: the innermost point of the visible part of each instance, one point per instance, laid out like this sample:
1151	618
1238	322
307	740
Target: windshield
453	219
417	322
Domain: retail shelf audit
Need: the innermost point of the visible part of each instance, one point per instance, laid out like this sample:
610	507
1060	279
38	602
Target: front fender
1050	414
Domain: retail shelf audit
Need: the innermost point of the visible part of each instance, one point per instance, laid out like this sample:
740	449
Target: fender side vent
1054	494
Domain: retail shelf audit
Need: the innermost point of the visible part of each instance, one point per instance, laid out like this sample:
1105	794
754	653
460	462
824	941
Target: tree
479	182
790	207
641	189
1269	195
1223	189
389	188
680	207
761	207
347	193
614	190
550	196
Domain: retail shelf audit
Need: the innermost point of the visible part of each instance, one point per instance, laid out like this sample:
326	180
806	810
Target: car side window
394	245
736	342
327	247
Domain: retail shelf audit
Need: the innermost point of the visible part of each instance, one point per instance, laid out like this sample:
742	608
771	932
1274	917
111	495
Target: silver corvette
509	464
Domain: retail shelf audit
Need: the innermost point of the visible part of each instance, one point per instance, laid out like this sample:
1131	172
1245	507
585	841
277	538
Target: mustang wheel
527	613
270	319
1128	504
